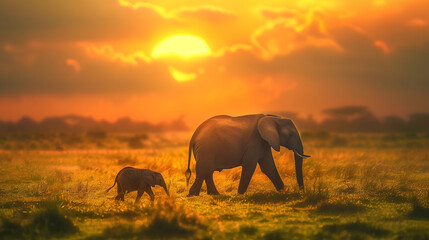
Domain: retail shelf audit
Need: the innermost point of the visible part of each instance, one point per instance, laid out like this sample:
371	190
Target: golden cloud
271	13
204	12
283	34
233	48
108	52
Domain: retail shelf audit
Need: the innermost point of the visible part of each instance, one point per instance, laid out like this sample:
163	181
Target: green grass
165	220
351	230
339	207
357	186
46	222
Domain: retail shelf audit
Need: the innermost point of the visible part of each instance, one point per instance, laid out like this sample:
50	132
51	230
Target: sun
182	45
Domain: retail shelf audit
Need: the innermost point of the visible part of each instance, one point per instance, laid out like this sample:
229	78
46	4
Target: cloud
74	64
145	5
233	48
353	40
49	73
357	70
271	13
108	52
91	20
207	13
204	12
406	27
280	35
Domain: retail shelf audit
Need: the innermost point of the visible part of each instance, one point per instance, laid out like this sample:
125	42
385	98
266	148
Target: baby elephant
141	180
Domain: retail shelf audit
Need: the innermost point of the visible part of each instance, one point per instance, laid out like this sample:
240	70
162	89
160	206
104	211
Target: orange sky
96	58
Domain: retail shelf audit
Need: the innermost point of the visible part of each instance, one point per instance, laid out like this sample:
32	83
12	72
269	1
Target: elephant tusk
301	155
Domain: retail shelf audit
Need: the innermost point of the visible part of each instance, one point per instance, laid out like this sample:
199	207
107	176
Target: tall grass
315	194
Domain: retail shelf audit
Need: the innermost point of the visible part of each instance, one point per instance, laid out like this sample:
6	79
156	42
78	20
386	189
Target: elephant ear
267	128
149	178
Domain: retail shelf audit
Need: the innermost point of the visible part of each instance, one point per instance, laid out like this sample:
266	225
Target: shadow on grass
280	234
419	210
28	205
272	197
260	198
353	230
78	210
21	205
393	195
118	231
339	208
248	229
274	235
10	229
413	234
114	210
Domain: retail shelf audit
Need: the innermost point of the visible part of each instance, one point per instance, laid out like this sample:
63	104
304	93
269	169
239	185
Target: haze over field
157	60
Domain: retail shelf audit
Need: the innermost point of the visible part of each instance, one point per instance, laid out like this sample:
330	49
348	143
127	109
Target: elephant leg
196	187
151	195
203	169
140	192
120	195
211	188
268	167
247	170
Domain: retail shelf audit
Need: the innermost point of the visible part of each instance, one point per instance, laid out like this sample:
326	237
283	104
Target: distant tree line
94	128
360	119
343	119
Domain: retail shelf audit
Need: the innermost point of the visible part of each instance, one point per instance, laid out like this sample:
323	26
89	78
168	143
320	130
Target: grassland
358	186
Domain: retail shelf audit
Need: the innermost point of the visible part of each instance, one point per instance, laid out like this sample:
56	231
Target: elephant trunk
165	188
299	153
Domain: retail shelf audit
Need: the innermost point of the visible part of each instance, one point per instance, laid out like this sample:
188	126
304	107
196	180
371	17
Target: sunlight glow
182	77
182	45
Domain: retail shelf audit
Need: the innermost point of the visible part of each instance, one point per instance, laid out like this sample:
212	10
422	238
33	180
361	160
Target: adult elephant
223	142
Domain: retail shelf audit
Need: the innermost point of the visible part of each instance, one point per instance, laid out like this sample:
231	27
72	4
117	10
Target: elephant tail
188	171
111	187
116	179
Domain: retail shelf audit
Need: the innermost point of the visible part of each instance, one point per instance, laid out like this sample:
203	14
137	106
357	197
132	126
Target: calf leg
140	192
121	194
149	191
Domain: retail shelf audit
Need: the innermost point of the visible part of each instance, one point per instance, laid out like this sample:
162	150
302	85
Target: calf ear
149	178
268	129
